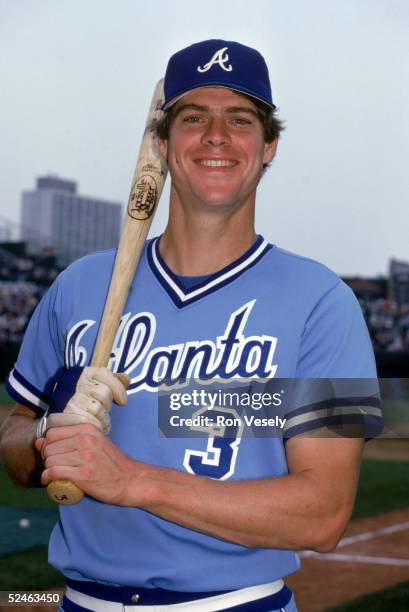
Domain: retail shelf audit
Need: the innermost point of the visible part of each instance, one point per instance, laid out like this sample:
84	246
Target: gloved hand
85	395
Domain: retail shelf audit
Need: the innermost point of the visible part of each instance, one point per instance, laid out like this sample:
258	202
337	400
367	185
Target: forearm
308	508
21	459
290	512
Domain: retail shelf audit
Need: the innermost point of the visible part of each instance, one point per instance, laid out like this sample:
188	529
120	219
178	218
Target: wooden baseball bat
147	184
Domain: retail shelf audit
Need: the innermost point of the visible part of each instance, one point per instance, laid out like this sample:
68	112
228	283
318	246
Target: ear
163	148
270	149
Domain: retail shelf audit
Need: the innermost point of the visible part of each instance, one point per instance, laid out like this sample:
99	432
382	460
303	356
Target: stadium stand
23	281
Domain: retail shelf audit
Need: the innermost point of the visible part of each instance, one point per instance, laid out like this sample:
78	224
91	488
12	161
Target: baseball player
208	522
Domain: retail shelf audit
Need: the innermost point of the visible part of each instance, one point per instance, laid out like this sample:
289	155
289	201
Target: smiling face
216	149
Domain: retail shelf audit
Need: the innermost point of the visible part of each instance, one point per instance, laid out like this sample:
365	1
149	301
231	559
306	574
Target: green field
18	497
28	571
394	599
4	396
383	486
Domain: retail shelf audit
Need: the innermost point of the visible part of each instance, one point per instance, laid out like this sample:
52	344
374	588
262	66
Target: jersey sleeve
335	342
41	354
337	384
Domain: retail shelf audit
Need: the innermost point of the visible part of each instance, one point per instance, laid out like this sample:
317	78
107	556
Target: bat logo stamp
143	198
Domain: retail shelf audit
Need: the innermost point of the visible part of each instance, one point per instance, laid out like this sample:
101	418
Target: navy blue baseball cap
217	63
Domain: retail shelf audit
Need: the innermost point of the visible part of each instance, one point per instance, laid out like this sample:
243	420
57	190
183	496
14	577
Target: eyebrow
241	109
191	106
204	108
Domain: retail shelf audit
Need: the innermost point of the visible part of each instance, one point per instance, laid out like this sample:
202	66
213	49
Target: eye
192	119
241	121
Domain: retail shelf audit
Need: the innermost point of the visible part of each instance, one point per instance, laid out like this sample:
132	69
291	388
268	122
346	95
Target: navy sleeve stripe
24	392
332	403
326	414
27	384
372	425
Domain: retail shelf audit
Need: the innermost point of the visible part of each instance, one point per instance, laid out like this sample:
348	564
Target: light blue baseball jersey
269	314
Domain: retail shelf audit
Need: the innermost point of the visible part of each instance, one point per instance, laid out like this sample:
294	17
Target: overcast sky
76	77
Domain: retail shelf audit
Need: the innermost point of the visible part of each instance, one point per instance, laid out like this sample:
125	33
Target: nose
216	133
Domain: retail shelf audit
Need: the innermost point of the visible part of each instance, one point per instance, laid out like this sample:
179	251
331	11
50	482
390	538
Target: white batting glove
96	389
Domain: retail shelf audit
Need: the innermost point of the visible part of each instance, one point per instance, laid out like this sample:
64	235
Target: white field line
360	537
376	533
359	559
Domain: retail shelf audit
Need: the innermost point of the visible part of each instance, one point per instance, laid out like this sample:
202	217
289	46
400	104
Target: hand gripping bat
147	184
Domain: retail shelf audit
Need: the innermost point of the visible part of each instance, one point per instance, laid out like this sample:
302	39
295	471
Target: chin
217	199
217	196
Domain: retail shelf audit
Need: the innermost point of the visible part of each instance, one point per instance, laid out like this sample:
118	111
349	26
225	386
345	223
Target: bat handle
64	491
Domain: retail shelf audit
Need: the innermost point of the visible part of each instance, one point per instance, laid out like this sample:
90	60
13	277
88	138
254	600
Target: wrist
144	485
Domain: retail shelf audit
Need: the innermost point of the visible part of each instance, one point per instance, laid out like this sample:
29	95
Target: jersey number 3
224	435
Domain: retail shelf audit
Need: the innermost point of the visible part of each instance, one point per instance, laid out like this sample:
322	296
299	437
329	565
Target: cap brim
180	95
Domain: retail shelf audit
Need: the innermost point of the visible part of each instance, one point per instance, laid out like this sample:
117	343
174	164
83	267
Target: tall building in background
56	216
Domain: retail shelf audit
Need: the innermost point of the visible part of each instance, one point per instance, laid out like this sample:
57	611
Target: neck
199	244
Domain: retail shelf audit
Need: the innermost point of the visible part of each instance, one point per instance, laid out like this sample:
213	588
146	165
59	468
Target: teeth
217	163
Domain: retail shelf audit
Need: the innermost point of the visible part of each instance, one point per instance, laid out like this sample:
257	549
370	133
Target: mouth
216	163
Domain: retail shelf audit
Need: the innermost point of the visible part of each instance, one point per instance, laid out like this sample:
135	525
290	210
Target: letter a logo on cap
220	57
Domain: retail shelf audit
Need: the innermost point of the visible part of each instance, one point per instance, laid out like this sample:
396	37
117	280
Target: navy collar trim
182	297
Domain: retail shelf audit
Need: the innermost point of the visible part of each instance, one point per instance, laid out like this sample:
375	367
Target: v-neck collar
183	297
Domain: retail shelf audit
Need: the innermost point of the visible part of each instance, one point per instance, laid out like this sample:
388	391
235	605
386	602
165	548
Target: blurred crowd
39	270
17	301
24	280
388	324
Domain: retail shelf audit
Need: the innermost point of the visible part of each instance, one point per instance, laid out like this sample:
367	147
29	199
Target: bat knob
64	492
